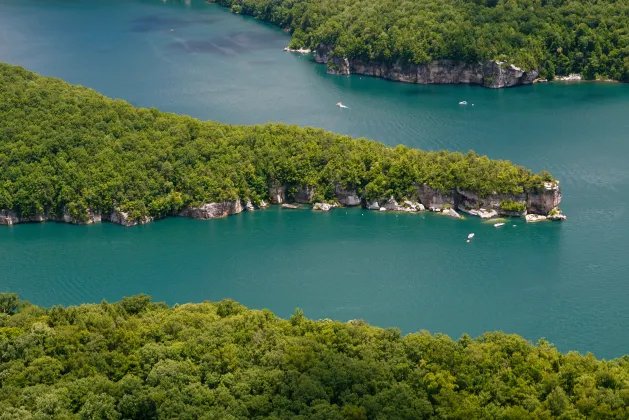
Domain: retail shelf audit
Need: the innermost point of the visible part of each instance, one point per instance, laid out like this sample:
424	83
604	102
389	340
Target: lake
563	281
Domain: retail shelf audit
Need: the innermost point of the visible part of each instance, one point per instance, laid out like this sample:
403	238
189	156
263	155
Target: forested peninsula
136	359
495	43
70	154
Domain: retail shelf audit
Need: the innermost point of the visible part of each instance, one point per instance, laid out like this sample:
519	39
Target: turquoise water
566	282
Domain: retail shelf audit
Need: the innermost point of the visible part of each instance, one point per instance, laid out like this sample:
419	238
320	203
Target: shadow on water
162	22
228	45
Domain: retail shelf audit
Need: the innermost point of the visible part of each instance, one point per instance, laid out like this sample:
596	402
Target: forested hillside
140	360
67	149
555	36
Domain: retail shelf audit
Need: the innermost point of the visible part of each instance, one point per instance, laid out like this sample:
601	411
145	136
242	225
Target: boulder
482	213
556	215
372	205
322	206
249	206
289	206
532	218
451	213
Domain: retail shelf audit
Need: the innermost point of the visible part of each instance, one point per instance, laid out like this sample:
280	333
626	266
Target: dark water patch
163	22
262	62
196	46
226	45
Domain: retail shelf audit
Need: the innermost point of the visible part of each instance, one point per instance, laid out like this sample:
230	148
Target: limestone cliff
542	201
491	74
213	210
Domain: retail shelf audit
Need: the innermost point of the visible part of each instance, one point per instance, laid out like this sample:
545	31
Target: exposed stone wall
491	74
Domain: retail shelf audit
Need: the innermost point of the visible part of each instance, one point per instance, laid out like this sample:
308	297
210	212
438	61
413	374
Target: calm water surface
566	282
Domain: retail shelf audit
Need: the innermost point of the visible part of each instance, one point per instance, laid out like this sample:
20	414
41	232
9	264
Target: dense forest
67	149
590	37
141	360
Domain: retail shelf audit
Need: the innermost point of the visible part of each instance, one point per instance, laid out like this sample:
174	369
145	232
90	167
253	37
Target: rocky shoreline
489	74
536	205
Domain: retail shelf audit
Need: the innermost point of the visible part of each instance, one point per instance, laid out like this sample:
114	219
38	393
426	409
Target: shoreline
346	70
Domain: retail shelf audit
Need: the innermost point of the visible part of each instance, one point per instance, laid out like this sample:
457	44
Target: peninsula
72	155
493	43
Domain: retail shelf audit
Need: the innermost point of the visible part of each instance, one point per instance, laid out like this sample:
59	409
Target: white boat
470	236
498	224
340	105
463	103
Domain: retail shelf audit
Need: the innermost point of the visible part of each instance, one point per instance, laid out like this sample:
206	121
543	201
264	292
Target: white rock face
8	217
451	213
482	213
122	218
277	193
492	74
372	205
263	204
323	206
249	206
212	210
574	77
533	218
347	198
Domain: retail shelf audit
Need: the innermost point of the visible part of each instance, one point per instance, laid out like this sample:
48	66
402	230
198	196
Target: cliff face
10	217
490	74
542	202
213	210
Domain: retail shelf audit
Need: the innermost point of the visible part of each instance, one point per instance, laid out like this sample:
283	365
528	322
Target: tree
9	303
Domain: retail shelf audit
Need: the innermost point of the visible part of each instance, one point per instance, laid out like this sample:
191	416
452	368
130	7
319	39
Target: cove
563	282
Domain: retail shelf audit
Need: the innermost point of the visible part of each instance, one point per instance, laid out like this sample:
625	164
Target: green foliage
67	149
555	36
513	206
222	361
9	303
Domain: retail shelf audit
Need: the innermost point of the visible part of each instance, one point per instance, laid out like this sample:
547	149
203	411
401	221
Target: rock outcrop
277	193
482	213
10	217
212	210
542	204
348	198
468	201
451	213
304	194
433	198
491	74
544	199
289	206
532	218
324	206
